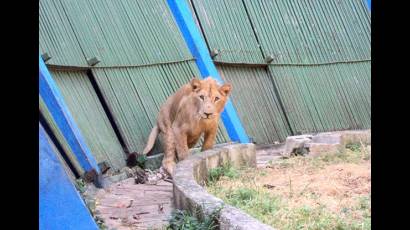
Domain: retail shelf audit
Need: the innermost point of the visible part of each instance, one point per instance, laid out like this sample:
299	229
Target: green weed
183	220
226	170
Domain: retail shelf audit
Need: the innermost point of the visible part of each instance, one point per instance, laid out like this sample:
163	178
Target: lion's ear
225	89
195	83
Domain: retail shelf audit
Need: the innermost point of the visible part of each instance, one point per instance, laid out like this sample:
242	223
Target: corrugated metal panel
134	96
59	136
317	31
228	29
257	104
56	36
120	33
323	98
321	51
90	117
194	16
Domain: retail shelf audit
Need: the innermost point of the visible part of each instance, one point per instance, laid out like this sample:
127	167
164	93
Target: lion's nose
208	114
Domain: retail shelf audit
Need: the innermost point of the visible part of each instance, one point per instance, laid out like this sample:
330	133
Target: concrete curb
325	143
191	173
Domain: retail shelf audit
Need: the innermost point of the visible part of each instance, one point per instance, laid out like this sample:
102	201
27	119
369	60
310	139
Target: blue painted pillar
58	109
369	4
197	46
61	206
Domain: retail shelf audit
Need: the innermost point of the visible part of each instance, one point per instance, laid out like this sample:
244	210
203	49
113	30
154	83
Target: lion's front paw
169	168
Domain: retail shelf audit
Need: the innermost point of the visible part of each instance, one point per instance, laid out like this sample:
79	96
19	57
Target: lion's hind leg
168	144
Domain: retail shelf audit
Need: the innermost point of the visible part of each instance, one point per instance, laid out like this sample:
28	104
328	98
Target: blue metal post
369	4
58	109
61	207
197	46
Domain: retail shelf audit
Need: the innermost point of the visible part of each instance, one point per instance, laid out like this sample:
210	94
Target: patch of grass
354	147
364	202
100	223
275	211
350	155
364	208
257	203
183	220
225	170
141	159
262	173
242	195
354	153
80	185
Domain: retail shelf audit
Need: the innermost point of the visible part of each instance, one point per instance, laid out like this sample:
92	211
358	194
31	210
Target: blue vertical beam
60	205
369	4
197	46
59	111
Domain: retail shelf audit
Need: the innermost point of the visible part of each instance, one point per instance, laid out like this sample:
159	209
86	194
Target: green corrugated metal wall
56	36
312	32
143	57
227	29
120	33
325	98
89	115
321	62
256	102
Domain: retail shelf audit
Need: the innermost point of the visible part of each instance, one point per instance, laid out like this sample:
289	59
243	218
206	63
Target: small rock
295	143
269	186
161	208
130	204
128	171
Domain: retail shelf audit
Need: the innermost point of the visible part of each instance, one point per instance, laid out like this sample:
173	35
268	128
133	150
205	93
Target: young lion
187	114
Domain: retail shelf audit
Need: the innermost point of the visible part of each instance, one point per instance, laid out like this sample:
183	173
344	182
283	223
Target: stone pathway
126	205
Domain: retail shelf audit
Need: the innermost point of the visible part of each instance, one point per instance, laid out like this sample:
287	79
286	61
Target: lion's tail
151	139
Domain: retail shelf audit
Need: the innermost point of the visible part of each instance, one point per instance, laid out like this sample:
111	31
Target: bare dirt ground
335	185
329	192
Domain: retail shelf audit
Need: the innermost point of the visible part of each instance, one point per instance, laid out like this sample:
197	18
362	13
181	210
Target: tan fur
187	114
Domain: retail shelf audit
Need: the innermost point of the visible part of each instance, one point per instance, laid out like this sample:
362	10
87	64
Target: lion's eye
202	97
216	98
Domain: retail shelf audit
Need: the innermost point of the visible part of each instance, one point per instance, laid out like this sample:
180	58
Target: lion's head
210	98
